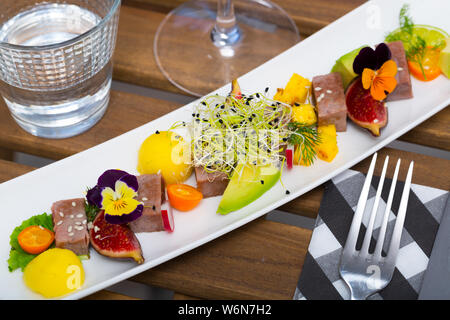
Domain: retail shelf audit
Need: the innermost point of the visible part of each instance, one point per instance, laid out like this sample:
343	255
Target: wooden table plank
309	16
109	295
261	260
125	112
134	61
180	296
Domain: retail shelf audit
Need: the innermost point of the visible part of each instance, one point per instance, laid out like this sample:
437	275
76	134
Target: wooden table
223	268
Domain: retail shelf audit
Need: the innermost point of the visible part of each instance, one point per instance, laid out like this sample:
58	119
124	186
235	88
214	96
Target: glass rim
104	20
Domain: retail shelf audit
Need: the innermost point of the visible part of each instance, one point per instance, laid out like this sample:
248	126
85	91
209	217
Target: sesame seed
59	223
74	204
61	214
78	223
154	208
40	227
329	91
71	234
320	97
69	229
288	192
80	215
400	69
84	221
317	88
71	216
144	199
79	228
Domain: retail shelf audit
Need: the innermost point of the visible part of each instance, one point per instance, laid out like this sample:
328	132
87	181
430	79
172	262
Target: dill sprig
307	138
416	53
406	23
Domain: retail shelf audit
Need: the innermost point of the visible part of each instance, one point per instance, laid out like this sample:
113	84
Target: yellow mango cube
305	114
296	91
327	149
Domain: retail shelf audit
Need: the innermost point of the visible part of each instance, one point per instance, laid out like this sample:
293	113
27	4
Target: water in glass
55	83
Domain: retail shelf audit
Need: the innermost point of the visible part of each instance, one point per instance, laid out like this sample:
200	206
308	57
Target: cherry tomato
35	239
183	197
430	64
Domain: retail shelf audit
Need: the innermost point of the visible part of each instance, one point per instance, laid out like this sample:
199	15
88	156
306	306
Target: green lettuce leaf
18	258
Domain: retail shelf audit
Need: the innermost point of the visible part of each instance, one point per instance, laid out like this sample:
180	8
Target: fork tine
350	244
373	214
398	228
382	234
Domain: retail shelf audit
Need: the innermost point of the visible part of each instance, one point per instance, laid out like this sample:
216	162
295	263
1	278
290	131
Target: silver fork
367	273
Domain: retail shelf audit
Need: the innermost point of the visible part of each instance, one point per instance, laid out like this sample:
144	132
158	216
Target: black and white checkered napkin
320	276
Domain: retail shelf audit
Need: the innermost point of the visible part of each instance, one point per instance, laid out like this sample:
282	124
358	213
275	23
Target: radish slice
167	216
289	156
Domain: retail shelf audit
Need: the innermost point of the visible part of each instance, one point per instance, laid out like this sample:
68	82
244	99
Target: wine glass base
198	61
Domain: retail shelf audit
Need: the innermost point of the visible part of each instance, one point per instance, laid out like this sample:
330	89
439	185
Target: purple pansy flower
115	193
371	59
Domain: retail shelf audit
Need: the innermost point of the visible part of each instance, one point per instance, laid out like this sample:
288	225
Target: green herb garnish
91	211
18	258
307	137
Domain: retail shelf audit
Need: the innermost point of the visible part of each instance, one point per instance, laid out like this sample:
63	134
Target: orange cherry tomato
183	197
430	65
35	239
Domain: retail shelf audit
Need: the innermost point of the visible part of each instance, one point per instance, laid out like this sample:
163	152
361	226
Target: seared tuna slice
152	193
70	225
328	91
211	184
404	87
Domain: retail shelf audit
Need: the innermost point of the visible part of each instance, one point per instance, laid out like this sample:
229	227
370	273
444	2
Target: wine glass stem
225	32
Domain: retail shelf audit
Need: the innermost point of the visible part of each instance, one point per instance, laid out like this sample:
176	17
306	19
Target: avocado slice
344	65
444	59
247	184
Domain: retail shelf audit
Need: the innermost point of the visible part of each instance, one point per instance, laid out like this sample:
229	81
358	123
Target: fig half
114	240
363	109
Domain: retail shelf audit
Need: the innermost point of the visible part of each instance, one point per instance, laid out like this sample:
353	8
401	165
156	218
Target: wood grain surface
261	260
309	16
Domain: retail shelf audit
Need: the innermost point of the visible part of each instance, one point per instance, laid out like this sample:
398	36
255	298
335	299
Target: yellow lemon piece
165	152
54	273
305	114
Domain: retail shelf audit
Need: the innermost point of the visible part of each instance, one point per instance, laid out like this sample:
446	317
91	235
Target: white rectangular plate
35	192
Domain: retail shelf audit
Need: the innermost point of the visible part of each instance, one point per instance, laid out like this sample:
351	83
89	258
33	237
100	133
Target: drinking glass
204	44
55	63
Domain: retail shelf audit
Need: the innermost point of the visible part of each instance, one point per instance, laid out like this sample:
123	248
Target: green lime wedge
433	36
